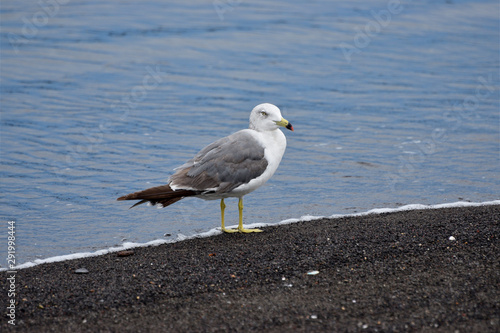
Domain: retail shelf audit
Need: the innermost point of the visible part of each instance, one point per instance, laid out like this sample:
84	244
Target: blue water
390	105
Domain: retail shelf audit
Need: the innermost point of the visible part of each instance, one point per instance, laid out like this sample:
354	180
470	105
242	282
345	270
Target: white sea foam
217	231
124	246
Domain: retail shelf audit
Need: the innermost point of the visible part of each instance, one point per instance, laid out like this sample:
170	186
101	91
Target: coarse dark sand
394	272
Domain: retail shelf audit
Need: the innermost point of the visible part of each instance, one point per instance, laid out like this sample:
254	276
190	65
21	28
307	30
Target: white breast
274	143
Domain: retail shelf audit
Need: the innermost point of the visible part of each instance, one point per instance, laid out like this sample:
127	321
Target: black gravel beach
423	270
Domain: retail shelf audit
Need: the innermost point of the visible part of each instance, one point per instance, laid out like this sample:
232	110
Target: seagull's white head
267	117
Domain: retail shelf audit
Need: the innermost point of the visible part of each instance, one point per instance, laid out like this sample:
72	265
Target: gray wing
223	165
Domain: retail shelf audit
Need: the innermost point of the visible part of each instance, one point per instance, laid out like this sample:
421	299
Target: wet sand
394	272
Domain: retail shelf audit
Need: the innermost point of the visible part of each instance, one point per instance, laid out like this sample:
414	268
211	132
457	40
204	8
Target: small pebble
452	238
81	271
125	253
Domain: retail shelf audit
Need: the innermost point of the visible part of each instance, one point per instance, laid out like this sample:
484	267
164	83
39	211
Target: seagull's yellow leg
222	208
240	225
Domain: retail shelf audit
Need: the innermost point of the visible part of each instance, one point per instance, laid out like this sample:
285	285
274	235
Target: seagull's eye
264	113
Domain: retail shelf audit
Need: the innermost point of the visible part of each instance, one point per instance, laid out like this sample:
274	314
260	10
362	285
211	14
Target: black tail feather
163	195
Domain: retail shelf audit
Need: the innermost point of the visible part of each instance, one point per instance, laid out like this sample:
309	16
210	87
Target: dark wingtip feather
138	203
130	196
159	194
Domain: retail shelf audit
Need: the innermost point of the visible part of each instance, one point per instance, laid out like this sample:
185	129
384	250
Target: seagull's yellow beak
285	123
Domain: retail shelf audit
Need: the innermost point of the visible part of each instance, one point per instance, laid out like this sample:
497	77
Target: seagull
229	167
